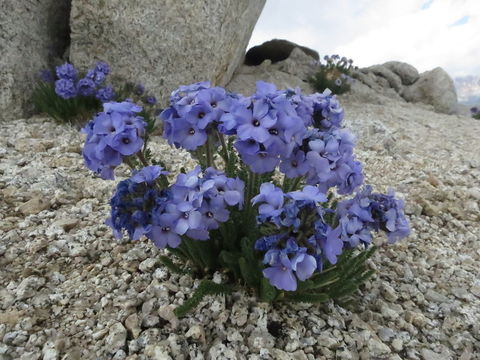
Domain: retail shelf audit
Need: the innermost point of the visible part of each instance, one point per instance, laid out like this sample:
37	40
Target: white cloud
375	31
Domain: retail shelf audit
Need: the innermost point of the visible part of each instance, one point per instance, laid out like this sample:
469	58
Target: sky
423	33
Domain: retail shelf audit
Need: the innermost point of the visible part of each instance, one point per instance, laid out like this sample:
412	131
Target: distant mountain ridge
468	89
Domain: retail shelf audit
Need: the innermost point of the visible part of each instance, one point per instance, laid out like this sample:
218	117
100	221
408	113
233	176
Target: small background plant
333	74
475	112
69	96
275	219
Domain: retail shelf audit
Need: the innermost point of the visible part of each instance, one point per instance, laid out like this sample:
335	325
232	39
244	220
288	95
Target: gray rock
245	78
434	87
148	265
431	355
32	35
394	81
435	296
385	333
260	339
132	323
49	351
157	352
28	287
377	348
328	340
276	50
407	72
15	338
163	44
297	64
65	224
389	293
116	338
367	78
34	206
397	345
196	332
166	313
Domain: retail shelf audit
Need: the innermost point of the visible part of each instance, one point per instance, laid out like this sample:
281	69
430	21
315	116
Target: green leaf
230	261
206	287
171	266
267	292
313	298
249	272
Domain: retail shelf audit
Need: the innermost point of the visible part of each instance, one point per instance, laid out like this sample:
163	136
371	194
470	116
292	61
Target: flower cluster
299	135
112	134
368	212
68	86
273	128
277	131
303	242
195	111
192	206
335	74
475	112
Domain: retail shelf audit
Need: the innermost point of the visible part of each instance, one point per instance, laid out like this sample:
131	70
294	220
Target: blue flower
184	134
329	241
127	142
105	94
148	174
349	176
271	198
151	100
388	215
256	126
261	162
328	114
102	67
65	88
86	87
66	71
280	274
139	89
268	242
47	76
308	193
295	165
163	232
125	107
286	263
369	211
131	207
112	134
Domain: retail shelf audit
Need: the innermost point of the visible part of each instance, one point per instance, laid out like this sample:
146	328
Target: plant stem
208	152
129	163
293	186
141	157
224	147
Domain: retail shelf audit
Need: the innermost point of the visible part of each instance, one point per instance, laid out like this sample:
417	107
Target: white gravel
69	291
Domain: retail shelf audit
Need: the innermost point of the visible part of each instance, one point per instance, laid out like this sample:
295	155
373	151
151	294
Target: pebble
377	348
196	332
28	287
117	336
132	323
34	206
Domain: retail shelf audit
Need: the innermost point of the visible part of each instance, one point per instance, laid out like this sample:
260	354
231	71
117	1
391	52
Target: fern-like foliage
74	111
336	282
205	288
